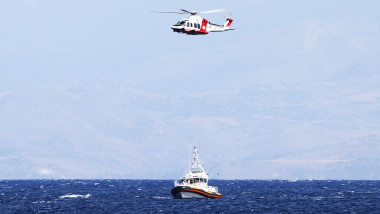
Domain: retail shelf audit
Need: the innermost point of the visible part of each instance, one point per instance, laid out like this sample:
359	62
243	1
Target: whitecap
318	198
79	182
158	197
74	196
42	202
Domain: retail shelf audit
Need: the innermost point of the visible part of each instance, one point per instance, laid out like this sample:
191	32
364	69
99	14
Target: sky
105	89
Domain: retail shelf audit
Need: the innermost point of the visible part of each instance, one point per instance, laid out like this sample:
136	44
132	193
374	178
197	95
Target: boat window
195	170
196	180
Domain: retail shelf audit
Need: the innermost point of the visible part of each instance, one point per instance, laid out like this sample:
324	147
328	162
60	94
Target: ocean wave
158	197
74	196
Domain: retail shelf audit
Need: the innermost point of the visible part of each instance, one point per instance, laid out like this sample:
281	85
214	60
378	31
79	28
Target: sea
153	196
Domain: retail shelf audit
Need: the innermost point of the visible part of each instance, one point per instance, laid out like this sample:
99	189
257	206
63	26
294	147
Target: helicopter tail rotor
229	16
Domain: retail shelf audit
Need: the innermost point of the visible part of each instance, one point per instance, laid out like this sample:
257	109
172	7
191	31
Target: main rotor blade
168	12
191	12
213	11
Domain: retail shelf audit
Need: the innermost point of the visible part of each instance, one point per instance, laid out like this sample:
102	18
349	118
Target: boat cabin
194	180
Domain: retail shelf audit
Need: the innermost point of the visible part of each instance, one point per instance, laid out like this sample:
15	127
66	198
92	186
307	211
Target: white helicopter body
196	25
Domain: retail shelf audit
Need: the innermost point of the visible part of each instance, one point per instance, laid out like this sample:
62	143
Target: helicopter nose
176	28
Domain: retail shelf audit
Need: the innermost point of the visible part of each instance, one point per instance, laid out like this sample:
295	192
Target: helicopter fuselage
196	25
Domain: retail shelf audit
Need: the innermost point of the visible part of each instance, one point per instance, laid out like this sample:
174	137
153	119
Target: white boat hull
193	192
188	195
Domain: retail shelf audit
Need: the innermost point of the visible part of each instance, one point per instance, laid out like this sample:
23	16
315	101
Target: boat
195	183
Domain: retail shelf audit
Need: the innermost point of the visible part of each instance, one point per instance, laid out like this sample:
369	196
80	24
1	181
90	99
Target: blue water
153	196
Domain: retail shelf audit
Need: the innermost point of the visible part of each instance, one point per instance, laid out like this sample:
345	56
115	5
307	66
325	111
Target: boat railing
213	189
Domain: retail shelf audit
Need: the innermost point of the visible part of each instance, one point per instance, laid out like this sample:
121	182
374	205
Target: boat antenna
196	161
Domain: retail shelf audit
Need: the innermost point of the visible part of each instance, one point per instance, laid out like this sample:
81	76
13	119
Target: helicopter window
191	24
182	23
187	24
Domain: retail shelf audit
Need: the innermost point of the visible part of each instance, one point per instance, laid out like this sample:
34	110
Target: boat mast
196	162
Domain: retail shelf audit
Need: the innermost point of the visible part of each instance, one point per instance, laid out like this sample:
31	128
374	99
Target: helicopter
196	25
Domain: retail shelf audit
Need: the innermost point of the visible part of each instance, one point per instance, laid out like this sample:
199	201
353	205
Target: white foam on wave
42	202
74	196
158	197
